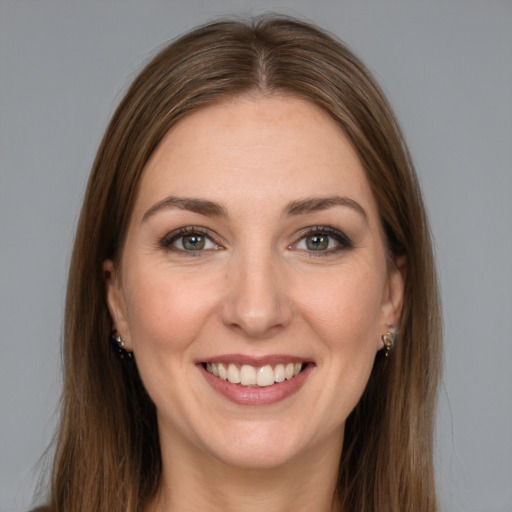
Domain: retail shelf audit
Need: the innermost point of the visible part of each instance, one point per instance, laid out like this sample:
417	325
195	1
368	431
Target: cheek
345	309
164	312
343	313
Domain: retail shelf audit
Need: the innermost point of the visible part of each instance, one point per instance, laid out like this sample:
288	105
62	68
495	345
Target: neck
193	480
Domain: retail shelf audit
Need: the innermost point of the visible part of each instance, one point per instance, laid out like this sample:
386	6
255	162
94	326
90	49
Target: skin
256	289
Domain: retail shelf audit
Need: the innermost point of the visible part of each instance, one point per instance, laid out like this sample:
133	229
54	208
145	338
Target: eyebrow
316	204
212	209
202	206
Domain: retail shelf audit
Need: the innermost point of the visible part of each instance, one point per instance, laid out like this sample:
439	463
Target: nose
256	303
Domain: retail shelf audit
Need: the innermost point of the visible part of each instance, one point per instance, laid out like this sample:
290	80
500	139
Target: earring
389	340
118	344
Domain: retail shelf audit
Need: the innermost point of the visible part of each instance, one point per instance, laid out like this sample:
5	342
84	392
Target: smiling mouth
247	375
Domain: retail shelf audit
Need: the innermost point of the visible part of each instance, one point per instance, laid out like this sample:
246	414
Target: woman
252	317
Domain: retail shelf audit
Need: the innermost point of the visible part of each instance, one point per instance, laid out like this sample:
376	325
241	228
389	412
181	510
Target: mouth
262	376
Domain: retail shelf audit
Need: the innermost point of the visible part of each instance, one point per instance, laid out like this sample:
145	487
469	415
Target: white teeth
265	376
279	374
233	374
223	373
249	375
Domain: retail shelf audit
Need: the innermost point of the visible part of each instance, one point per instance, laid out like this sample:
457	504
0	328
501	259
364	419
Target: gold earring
389	340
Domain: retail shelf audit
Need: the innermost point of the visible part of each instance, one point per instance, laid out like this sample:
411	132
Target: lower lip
256	395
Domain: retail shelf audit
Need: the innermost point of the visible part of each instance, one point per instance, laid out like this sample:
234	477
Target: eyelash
343	241
171	238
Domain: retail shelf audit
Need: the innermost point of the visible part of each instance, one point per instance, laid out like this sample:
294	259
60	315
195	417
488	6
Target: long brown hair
107	453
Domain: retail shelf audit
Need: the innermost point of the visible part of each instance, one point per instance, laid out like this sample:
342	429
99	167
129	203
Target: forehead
258	148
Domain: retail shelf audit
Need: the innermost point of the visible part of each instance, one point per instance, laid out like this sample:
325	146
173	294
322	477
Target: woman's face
254	253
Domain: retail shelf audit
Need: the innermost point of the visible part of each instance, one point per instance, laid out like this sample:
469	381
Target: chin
256	457
259	446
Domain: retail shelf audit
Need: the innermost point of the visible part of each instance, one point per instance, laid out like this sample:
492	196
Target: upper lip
271	359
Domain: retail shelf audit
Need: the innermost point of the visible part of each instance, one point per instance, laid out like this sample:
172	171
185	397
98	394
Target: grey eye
317	242
322	240
189	239
193	242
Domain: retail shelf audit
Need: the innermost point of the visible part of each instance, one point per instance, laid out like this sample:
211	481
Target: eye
189	239
318	242
322	240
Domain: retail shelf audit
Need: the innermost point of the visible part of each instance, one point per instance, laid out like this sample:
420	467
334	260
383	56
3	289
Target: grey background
447	68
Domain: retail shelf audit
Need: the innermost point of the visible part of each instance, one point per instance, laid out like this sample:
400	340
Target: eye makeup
320	241
190	240
317	241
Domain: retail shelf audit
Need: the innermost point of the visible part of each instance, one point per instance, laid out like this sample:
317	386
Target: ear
393	297
115	302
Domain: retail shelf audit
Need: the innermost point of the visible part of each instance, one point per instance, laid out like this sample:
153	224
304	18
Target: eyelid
166	242
344	241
